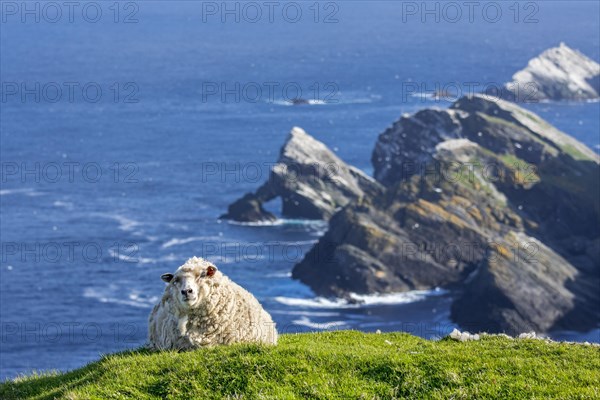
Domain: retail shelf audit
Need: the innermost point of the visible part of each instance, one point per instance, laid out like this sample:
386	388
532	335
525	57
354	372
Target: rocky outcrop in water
485	197
559	73
312	182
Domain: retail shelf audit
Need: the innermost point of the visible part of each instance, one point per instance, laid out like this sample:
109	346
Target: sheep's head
191	284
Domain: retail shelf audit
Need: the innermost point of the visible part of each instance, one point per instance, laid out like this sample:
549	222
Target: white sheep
203	307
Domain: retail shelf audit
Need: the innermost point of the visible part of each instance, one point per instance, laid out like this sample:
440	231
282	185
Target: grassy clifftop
333	365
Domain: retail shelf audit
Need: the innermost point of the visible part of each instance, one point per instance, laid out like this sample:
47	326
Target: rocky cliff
312	182
559	73
484	196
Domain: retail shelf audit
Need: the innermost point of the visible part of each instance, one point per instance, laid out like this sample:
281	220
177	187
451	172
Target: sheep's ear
166	277
211	270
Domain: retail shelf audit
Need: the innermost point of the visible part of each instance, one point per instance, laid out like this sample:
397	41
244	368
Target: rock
455	334
529	335
312	182
502	127
463	336
514	291
299	102
399	154
249	209
443	94
503	235
559	73
484	197
389	246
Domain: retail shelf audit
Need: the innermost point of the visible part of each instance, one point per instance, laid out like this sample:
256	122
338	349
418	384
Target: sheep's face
190	286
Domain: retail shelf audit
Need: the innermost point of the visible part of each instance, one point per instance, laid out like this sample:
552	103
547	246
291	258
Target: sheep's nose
186	291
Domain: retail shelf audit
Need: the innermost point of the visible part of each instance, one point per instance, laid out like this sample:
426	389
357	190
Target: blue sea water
99	198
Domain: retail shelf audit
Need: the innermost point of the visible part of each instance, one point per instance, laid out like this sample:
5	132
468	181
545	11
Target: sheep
202	307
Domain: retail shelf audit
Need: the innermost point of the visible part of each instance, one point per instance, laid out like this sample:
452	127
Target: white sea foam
63	204
398	298
279	275
178	242
306	313
134	257
316	302
309	102
304	321
25	191
134	299
361	100
339	98
257	223
317	223
362	300
125	224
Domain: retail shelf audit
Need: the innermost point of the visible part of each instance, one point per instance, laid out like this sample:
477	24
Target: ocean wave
342	99
361	300
279	275
362	100
26	191
397	298
134	299
288	243
305	102
283	221
178	242
125	224
63	204
257	223
432	97
136	259
317	302
307	313
305	321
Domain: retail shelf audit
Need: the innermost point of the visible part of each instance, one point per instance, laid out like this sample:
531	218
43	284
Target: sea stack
559	73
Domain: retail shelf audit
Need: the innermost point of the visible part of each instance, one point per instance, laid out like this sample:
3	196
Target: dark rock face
499	126
518	296
486	197
249	209
559	73
367	250
312	182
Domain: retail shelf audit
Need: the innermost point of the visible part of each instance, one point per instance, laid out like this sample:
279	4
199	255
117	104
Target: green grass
334	365
575	153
